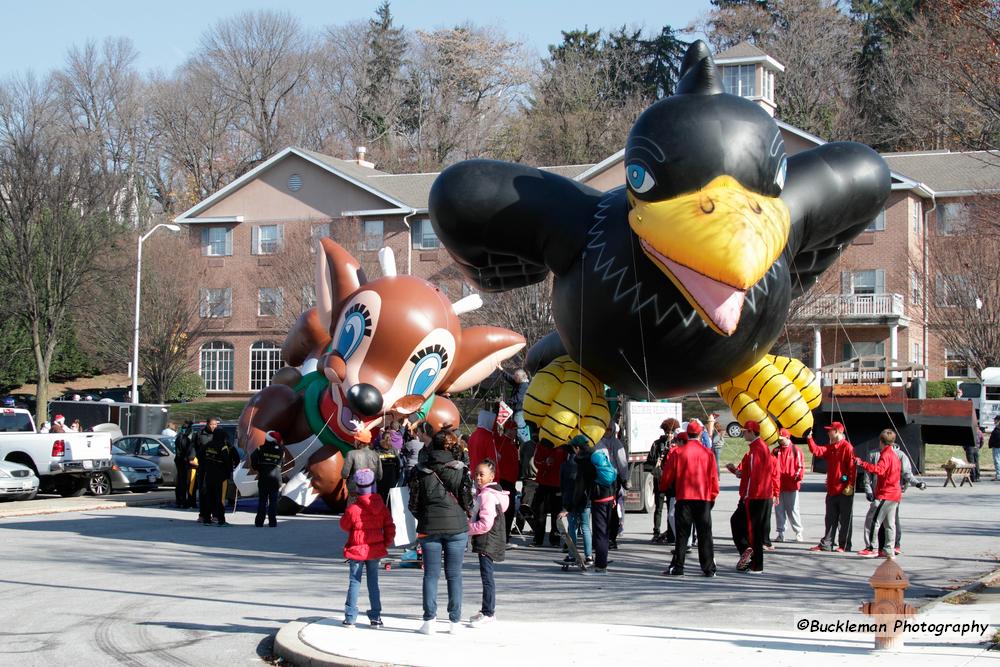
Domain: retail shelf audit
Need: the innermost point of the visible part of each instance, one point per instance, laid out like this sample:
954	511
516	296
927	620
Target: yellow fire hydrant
889	583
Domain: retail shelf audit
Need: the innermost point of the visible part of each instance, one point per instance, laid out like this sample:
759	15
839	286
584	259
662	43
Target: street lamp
138	287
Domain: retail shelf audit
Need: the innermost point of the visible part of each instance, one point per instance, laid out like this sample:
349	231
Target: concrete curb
288	645
63	505
972	587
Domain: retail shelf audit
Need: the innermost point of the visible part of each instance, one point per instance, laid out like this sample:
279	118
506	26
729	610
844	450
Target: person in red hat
690	469
841	474
266	461
791	469
751	522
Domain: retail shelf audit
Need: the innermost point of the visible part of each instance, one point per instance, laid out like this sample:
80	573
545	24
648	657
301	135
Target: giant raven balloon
682	278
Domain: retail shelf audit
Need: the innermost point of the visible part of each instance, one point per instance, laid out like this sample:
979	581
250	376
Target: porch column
817	349
893	342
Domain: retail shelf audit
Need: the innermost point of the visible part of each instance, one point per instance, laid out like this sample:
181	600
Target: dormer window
739	80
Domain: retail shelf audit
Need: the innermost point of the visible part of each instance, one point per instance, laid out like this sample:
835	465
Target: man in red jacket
548	495
841	475
791	468
888	493
487	442
751	522
690	469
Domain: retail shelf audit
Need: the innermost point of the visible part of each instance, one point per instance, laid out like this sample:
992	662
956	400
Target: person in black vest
266	461
216	460
489	534
184	493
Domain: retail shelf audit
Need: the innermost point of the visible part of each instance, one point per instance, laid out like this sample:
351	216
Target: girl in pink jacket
488	534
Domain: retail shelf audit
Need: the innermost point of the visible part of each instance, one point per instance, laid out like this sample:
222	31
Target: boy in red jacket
751	522
791	468
690	469
369	530
548	496
841	475
888	493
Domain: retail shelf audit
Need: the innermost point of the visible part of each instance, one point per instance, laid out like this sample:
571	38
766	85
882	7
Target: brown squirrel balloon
368	349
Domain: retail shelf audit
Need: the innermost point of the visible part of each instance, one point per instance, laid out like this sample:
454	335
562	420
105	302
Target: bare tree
59	207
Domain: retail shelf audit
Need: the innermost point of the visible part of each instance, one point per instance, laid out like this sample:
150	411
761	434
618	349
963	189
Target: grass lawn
201	410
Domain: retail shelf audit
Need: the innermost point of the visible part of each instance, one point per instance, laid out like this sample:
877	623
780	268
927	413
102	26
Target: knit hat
273	436
580	441
752	426
59	420
364	480
694	428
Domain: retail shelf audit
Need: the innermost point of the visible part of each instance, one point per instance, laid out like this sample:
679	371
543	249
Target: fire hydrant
889	583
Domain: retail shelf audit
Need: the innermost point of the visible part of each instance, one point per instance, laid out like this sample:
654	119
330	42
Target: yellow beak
714	244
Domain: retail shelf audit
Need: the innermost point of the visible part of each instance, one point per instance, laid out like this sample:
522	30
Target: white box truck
640	429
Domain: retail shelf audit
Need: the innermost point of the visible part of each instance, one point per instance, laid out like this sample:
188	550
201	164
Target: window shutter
254	240
229	302
939	291
204	240
845	282
281	236
880	281
229	242
203	301
279	301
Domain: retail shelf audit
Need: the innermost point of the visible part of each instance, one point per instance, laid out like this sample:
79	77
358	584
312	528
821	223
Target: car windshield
168	440
15	422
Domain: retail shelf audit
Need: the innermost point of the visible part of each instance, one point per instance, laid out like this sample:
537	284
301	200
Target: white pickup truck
64	462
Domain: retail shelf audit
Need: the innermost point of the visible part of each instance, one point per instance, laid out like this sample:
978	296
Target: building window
955	366
269	301
917	357
952	217
265	360
767	78
266	239
878	224
216	302
215	365
374	234
308	297
918	216
916	288
423	235
794	350
217	242
739	79
866	349
867	282
951	291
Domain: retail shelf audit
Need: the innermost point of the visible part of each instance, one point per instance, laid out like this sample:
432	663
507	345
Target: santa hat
59	420
273	436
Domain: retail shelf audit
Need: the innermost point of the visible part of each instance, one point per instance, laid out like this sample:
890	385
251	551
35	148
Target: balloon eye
428	364
779	177
639	179
357	325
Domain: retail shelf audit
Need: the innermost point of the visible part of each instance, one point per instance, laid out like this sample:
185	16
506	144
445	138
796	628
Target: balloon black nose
365	399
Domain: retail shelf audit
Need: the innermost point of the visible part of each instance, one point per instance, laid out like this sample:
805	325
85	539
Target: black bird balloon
682	278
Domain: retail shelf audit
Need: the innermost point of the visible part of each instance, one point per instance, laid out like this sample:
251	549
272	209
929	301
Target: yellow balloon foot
775	390
565	400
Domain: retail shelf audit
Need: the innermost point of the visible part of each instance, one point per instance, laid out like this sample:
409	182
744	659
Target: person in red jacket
791	469
370	531
548	494
888	493
488	442
751	522
690	469
841	475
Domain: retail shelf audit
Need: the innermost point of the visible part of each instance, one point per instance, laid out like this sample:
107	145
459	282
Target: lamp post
138	288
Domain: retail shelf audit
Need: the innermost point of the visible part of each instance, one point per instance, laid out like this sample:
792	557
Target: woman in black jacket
441	502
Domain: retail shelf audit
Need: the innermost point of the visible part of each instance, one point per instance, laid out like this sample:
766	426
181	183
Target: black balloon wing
507	225
833	192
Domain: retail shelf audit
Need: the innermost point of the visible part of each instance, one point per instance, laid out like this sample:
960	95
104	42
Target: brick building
254	240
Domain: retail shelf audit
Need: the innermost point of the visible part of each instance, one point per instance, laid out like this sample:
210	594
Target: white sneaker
428	627
798	537
480	619
455	628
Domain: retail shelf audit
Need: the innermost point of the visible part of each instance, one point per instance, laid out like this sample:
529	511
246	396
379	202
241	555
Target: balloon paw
565	400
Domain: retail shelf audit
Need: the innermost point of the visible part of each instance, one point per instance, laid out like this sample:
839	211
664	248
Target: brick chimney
359	154
749	72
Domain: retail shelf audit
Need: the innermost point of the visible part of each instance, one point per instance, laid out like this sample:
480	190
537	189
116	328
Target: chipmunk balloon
368	349
682	278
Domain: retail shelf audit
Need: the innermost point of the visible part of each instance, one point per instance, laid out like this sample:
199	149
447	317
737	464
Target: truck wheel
734	430
99	484
648	493
71	487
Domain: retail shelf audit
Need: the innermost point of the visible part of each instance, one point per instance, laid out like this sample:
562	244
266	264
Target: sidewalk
316	642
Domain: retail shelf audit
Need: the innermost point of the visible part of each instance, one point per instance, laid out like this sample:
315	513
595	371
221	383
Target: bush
942	389
187	387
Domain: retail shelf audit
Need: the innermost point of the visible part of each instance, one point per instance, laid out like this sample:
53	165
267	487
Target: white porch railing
852	305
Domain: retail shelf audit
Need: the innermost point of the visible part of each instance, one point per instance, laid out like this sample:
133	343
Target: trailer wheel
648	493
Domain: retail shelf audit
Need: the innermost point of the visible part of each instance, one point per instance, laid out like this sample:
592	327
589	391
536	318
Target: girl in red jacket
369	530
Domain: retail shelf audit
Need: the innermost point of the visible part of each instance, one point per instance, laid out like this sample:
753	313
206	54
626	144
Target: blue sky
37	33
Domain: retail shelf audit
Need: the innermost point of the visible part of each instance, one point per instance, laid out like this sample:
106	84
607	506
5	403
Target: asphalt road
148	586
